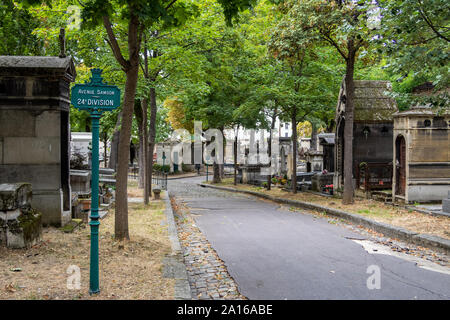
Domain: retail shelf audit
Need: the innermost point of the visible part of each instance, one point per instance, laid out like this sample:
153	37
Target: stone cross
62	43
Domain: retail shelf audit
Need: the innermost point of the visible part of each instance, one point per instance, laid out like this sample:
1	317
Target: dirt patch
133	190
128	270
375	210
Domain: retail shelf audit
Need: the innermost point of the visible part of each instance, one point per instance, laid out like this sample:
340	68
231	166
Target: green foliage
163	129
208	75
88	49
415	35
161	168
278	54
16	30
232	8
186	168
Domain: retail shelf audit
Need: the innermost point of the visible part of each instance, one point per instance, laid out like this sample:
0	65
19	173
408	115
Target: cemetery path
274	253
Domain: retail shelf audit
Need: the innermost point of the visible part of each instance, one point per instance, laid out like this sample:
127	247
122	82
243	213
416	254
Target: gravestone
315	160
20	224
320	180
80	181
34	130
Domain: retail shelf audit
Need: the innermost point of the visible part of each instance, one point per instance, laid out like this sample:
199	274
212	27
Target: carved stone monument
34	130
20	224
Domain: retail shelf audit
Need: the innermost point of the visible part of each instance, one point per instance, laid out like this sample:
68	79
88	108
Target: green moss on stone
30	223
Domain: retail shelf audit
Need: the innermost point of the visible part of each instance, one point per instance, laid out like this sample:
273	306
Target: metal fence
133	171
374	176
160	178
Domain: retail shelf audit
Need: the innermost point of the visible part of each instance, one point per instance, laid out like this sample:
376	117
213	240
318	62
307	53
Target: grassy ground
128	270
375	210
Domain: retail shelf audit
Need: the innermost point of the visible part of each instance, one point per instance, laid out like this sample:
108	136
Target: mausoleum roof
38	63
422	111
371	101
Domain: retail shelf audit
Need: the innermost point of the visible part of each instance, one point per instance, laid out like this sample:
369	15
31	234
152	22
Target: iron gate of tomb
254	176
374	176
160	178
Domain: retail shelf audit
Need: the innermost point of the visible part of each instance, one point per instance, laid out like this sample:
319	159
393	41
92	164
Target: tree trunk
121	215
269	151
348	129
216	166
141	176
235	158
113	155
140	118
222	165
222	170
131	69
294	150
152	138
313	136
216	176
144	168
269	154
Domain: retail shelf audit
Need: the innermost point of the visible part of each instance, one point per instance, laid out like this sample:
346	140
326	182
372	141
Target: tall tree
306	76
213	84
137	15
342	24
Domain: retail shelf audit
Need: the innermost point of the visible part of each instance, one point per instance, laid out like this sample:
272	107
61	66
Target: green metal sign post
95	97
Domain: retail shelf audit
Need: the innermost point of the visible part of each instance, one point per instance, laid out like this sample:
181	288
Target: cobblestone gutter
207	273
174	267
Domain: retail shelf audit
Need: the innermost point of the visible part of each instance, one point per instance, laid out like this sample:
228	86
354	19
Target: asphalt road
273	253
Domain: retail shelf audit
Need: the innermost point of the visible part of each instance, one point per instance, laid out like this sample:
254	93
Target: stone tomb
421	171
34	130
372	127
20	224
326	145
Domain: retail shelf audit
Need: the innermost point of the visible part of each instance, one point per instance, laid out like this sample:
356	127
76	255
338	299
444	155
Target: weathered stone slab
41	177
22	231
48	124
80	181
14	195
16	123
319	181
51	204
425	192
107	171
29	150
20	224
446	204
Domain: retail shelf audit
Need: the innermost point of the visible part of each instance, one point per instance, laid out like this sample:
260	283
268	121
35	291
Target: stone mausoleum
421	155
35	130
372	130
